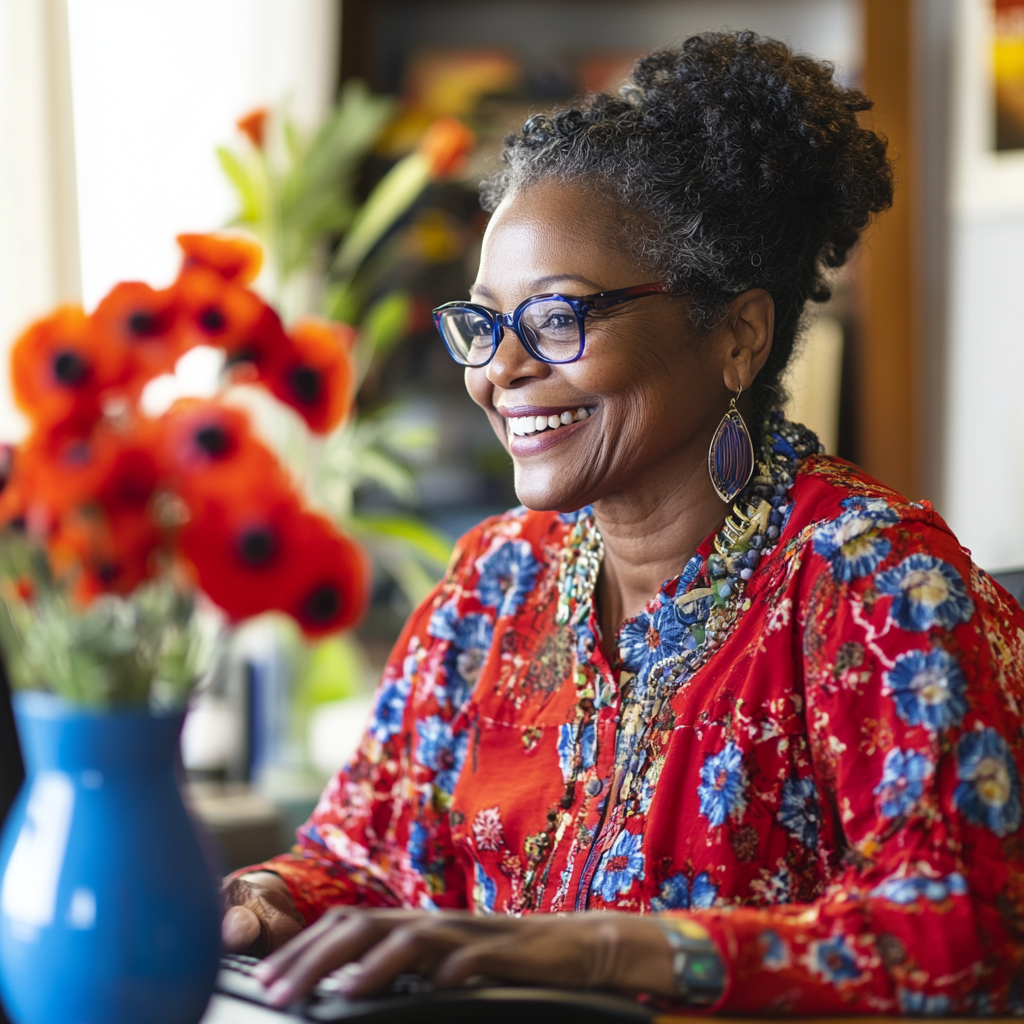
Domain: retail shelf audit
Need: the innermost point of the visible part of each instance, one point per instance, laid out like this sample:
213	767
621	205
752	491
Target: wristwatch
698	969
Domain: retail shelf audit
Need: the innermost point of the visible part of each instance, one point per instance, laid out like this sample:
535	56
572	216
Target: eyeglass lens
468	334
549	325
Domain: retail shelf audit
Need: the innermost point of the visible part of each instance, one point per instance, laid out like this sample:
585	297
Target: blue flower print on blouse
915	887
902	783
386	718
507	575
620	866
417	847
799	813
676	893
567	747
834	960
484	890
470	635
441	751
926	592
989	791
928	688
851	543
776	952
652	637
723	785
917	1004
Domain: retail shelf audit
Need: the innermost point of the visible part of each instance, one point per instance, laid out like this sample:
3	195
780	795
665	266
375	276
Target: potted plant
126	538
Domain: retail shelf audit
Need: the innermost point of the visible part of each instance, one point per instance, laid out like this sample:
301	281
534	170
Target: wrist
697	967
267	879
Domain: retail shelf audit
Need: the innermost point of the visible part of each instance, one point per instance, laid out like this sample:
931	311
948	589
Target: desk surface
228	1010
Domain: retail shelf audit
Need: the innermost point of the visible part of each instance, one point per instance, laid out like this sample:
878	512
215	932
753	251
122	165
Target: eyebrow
540	284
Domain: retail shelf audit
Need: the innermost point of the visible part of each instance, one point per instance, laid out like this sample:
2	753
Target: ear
748	328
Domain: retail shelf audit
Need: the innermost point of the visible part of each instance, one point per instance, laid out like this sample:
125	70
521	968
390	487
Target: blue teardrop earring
731	455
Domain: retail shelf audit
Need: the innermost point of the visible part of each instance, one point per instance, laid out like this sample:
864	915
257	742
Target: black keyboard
412	999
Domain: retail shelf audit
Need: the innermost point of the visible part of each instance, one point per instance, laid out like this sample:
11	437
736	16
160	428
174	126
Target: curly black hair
742	164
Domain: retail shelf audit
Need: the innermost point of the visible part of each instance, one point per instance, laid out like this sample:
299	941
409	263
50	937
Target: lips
534	429
537	424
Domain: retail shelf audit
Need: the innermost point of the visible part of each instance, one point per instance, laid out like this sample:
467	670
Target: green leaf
394	194
342	303
413	554
386	322
334	671
250	191
317	186
428	543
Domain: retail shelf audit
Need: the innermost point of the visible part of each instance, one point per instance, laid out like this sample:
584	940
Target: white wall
157	85
38	219
978	436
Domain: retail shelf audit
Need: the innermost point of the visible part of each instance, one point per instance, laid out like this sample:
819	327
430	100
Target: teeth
523	425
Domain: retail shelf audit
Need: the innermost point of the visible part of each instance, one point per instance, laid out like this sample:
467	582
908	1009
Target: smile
523	425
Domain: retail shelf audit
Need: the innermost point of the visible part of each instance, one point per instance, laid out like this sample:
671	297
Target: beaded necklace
712	602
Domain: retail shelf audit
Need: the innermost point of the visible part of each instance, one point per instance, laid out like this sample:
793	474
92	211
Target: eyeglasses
550	326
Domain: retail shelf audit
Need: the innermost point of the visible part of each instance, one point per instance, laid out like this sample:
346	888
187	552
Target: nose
512	362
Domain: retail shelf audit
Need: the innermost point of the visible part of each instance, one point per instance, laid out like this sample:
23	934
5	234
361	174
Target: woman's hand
259	915
616	951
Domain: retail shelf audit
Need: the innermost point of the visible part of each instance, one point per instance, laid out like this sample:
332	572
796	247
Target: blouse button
593	787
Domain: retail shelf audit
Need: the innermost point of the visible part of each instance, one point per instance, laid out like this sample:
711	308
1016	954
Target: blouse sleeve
380	834
912	662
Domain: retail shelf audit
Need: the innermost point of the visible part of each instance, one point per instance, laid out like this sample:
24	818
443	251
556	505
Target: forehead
549	230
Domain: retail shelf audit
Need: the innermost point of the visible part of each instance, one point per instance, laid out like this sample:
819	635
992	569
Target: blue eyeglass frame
581	305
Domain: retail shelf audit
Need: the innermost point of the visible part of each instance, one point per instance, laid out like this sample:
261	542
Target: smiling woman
754	700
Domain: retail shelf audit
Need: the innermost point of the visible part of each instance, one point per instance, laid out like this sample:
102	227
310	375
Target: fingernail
281	992
349	977
262	972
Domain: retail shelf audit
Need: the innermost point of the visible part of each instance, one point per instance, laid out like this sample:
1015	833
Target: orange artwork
1008	74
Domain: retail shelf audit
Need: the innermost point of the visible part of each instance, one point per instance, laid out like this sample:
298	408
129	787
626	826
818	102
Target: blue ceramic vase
108	905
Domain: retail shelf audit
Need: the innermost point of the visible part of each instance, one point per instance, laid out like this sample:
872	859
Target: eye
558	321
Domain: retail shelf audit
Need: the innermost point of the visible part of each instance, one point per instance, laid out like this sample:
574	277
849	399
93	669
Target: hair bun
743	161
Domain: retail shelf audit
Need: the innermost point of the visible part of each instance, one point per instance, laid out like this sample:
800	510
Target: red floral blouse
828	779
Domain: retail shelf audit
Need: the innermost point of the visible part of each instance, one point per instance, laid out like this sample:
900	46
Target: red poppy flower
215	311
104	554
244	550
53	473
254	126
210	452
56	474
234	257
331	582
316	375
144	322
258	353
61	367
130	470
446	146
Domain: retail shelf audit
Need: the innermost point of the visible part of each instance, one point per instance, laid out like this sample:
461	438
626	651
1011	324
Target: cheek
479	387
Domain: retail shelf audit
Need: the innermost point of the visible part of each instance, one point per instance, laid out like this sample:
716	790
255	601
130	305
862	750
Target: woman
795	765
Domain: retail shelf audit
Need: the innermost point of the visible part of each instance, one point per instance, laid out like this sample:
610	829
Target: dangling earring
731	455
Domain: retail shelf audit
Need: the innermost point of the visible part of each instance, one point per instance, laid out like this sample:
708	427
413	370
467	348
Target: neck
649	535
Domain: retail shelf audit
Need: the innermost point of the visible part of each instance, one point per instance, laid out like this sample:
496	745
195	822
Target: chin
547	495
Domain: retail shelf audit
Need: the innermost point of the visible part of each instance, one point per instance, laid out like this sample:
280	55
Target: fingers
240	929
418	947
327	945
257	918
495	958
388	941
